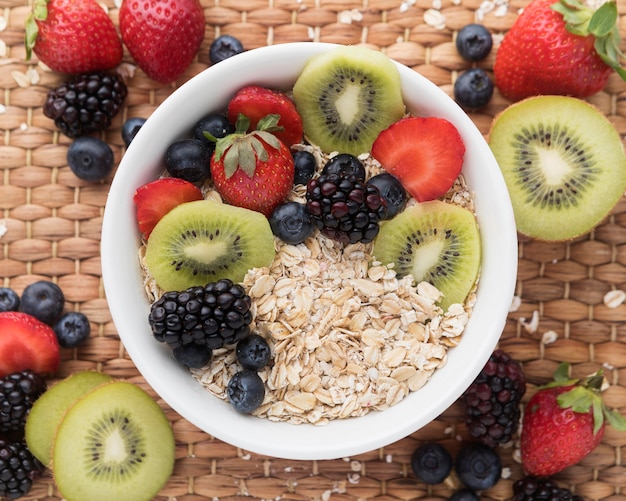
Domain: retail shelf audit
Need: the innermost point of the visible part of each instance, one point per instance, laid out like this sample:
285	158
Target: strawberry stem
39	12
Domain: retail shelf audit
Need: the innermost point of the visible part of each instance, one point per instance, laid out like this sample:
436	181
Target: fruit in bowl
483	195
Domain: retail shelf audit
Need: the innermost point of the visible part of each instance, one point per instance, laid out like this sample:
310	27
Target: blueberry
223	47
246	391
291	223
130	128
43	300
193	355
90	158
215	124
72	329
344	163
431	463
9	299
464	495
474	42
478	466
188	159
473	89
391	190
253	352
304	165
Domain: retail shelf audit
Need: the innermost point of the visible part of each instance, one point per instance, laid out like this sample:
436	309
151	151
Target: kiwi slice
436	242
49	409
346	96
563	163
205	241
115	443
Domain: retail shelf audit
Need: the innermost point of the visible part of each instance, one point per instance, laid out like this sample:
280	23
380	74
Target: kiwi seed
436	242
205	241
563	163
346	96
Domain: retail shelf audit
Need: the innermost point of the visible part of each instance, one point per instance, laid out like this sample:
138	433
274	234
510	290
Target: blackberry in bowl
284	296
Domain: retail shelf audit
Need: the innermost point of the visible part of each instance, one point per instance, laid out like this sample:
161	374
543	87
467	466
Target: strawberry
163	36
425	154
253	170
563	422
156	198
27	343
561	48
72	36
256	102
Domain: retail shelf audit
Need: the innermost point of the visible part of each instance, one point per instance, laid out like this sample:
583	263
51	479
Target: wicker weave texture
51	224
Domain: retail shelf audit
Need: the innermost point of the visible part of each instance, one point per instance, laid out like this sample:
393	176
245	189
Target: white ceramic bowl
278	66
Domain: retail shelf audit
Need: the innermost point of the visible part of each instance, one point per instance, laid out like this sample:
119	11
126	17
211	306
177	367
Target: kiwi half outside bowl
278	67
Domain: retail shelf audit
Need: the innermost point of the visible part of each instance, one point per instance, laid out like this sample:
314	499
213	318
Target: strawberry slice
27	343
156	198
425	154
256	102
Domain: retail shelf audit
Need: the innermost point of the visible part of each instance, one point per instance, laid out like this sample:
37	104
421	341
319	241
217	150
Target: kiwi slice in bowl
346	97
115	443
436	242
204	241
563	163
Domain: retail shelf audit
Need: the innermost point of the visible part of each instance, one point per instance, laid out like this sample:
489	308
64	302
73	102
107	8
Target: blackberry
18	469
18	392
344	208
492	402
86	104
538	489
215	315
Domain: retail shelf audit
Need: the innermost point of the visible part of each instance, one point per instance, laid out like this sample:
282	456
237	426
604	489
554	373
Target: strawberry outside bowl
278	67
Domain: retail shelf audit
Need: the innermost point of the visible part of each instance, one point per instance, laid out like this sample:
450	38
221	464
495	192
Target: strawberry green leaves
601	23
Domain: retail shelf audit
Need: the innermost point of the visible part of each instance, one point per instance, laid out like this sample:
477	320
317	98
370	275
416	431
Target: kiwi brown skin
596	180
346	97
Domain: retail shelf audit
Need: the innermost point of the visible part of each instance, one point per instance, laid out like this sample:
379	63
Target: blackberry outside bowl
278	67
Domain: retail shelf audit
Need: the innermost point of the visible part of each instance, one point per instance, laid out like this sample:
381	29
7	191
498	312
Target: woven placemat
50	229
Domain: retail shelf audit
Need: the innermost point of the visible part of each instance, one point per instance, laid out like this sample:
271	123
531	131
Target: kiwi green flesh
346	97
563	163
436	242
48	410
115	443
205	241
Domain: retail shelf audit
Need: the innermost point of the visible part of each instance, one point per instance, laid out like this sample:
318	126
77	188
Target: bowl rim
340	438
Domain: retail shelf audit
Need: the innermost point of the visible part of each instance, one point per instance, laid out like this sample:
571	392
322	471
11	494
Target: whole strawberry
563	422
162	36
253	170
72	36
561	48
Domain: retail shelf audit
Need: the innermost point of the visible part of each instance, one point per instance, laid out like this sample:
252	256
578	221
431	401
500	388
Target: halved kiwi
49	409
113	444
346	96
563	163
205	241
436	242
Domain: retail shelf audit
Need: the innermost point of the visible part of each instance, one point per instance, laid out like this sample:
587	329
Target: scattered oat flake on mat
404	6
3	228
532	324
347	16
3	108
549	337
434	18
3	23
515	304
21	79
614	298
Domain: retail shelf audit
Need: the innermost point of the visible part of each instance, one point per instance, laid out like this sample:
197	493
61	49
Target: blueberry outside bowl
278	66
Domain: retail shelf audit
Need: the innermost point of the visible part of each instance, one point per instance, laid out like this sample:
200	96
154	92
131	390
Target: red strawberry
256	102
425	154
253	170
563	422
561	48
72	36
27	343
163	36
157	198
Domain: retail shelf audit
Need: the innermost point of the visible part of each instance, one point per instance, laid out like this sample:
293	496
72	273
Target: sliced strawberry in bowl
156	198
425	154
256	102
27	343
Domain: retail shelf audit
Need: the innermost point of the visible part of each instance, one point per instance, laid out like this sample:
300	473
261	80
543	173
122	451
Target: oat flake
614	298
